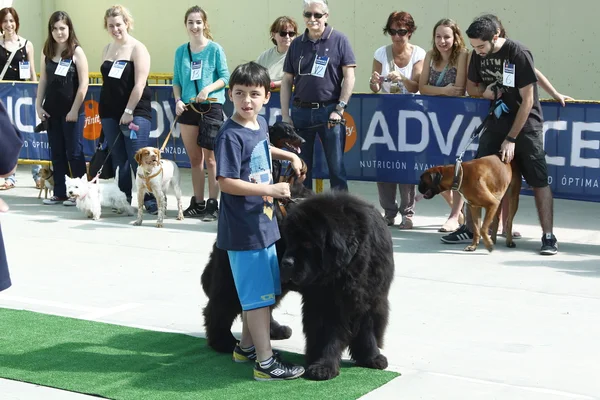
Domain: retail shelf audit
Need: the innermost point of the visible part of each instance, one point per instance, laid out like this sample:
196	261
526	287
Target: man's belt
313	105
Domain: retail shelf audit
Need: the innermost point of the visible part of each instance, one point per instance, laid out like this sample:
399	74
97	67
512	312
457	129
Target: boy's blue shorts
256	276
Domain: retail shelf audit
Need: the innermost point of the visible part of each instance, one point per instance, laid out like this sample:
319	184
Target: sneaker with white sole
71	201
54	200
461	235
549	245
278	370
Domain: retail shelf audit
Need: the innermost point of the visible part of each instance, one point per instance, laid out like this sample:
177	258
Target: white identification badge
24	71
508	75
117	69
320	66
196	70
63	67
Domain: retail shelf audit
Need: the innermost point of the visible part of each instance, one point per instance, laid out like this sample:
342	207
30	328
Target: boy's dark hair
250	74
482	28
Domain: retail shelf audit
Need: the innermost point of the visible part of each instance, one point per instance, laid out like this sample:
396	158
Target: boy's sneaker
278	370
549	245
54	200
241	356
461	235
195	210
71	201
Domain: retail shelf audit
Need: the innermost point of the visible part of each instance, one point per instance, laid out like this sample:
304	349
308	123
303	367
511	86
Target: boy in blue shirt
247	225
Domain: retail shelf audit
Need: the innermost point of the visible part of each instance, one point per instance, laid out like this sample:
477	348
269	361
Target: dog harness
147	179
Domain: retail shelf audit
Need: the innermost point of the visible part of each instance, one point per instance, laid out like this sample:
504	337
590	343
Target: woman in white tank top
396	69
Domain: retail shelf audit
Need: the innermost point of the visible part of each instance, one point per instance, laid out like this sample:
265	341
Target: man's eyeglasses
308	14
284	34
400	32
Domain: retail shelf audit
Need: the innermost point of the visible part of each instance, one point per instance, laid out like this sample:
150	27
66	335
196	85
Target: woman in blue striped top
200	74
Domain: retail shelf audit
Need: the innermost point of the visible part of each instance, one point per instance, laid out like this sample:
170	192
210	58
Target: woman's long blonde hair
457	47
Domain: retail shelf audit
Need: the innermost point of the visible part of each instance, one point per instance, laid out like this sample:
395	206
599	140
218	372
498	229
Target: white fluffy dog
90	197
156	175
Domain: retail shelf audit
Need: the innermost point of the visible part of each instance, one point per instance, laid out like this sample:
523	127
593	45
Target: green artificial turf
119	362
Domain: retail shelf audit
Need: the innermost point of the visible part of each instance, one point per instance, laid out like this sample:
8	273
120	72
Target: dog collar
458	176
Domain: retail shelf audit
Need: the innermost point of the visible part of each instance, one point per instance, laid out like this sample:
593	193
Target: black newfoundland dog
339	257
223	305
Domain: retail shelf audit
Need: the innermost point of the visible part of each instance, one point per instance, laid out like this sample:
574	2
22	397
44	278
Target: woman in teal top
199	79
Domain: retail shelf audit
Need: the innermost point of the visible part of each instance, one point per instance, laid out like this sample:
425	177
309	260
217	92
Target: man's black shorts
529	154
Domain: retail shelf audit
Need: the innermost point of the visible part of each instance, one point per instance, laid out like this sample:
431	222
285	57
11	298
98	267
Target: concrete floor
507	325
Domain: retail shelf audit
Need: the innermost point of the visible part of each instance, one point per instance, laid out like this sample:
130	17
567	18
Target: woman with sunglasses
200	73
396	69
283	31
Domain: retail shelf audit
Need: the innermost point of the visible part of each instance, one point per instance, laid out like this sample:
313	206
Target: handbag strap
390	58
441	77
10	58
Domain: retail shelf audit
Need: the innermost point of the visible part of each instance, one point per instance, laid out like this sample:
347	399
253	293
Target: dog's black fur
223	305
339	257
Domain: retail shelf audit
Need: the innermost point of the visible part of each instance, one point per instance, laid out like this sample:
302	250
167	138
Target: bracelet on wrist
510	139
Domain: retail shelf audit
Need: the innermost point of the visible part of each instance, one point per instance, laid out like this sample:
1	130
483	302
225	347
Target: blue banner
389	138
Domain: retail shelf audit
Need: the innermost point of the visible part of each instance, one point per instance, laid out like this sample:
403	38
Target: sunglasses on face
400	32
284	34
308	15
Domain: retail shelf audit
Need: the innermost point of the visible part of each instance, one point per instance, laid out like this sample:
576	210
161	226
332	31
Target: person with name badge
504	72
321	66
396	69
125	98
283	31
16	61
61	91
200	73
445	74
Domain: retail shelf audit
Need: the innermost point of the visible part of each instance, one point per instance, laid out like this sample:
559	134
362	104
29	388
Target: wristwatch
342	105
128	111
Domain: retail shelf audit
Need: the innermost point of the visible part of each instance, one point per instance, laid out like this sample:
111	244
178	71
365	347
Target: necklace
20	48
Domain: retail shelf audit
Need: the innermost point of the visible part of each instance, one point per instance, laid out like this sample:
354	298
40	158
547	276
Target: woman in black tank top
15	51
125	98
61	90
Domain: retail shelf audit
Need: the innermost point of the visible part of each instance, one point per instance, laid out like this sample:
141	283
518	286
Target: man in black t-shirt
504	69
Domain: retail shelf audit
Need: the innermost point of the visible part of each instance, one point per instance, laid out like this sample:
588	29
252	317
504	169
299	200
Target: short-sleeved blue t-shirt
245	222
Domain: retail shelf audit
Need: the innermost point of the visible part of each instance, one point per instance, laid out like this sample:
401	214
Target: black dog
339	256
223	305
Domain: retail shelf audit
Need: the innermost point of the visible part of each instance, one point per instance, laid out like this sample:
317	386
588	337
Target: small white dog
155	175
90	197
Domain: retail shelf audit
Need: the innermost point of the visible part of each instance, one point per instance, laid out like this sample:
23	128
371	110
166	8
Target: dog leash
457	180
106	159
289	178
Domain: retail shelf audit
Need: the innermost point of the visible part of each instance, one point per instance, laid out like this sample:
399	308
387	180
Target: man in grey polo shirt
320	64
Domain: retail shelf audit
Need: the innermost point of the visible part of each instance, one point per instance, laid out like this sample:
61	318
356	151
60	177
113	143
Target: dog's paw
320	372
137	222
281	332
180	217
159	224
511	245
379	362
470	248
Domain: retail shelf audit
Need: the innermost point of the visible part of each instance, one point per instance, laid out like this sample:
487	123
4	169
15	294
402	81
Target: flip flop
516	235
7	185
447	227
406	224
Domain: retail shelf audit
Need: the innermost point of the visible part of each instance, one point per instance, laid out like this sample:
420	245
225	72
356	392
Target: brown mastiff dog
482	183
